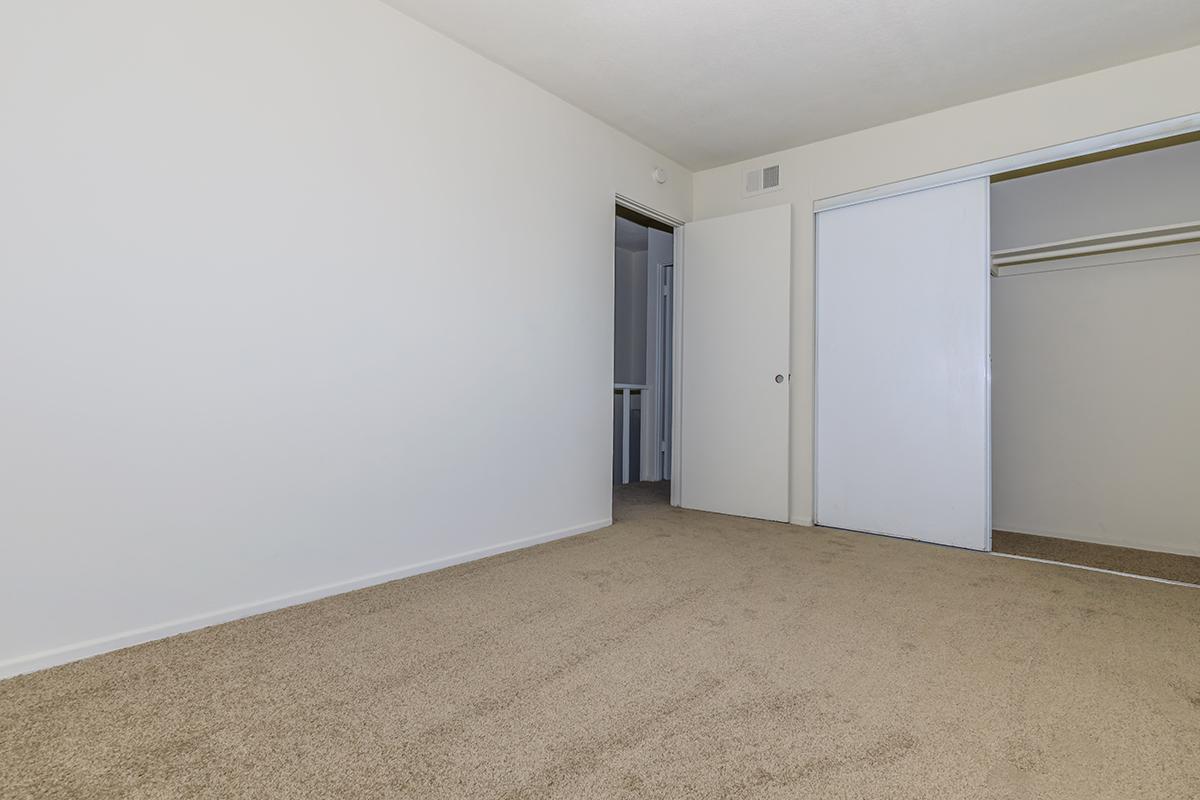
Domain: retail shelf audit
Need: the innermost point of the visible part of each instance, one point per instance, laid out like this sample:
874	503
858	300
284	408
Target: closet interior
1095	343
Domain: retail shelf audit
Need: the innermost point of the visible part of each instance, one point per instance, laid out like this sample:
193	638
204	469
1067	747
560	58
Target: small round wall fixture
659	175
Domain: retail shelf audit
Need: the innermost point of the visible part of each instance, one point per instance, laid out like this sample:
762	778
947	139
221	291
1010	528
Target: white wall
1095	429
269	325
1133	94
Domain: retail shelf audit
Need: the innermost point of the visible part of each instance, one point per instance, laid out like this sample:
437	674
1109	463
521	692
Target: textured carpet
1121	559
674	655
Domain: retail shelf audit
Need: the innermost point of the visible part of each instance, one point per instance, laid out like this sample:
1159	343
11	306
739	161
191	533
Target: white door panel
736	328
903	374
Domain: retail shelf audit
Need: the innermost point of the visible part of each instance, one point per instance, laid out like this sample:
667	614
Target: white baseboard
104	644
1111	541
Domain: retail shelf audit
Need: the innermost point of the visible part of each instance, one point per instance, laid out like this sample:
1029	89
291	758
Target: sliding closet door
903	418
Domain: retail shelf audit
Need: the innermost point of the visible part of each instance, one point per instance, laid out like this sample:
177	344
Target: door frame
1115	140
677	227
658	362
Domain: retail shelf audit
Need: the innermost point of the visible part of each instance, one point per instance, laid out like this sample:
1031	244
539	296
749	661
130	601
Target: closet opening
1041	400
1095	330
643	368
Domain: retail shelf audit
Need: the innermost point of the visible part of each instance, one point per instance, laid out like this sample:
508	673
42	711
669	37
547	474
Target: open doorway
643	366
716	334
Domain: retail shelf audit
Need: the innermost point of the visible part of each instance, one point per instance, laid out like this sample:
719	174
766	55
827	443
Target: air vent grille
754	181
763	179
770	177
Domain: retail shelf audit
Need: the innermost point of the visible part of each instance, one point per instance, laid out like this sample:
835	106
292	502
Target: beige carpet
675	655
1120	559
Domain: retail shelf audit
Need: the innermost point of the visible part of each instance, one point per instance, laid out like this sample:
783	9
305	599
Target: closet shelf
1180	233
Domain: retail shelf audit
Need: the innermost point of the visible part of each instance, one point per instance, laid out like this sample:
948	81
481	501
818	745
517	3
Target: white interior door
735	292
903	374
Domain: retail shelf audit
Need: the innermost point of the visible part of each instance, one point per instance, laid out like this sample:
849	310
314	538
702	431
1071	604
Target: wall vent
763	179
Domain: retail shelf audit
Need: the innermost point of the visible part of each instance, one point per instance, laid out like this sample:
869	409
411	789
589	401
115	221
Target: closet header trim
1046	155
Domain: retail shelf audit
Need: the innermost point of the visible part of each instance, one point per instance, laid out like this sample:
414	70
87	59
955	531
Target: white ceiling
708	82
631	236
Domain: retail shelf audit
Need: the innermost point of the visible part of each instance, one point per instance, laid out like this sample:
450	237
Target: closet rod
1095	245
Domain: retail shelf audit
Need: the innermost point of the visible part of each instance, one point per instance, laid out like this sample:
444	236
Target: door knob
779	379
